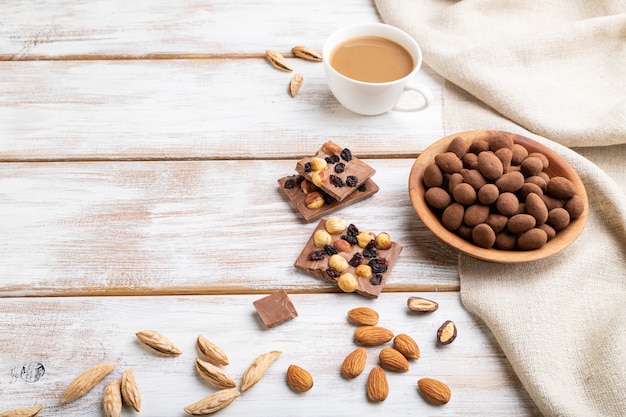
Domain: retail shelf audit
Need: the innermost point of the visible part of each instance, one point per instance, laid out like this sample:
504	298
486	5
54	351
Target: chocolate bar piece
343	173
291	187
275	309
314	260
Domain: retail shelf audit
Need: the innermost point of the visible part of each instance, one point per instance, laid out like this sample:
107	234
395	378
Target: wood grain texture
191	109
47	330
187	227
117	28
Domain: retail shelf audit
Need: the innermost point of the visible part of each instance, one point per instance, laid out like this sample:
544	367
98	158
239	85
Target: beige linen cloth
554	71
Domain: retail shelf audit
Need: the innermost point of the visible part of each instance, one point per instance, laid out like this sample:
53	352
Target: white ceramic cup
370	98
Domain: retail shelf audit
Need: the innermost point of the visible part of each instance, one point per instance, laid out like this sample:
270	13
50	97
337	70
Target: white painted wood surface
140	147
48	331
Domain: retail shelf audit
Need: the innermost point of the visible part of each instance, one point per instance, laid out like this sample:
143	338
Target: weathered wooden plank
180	109
187	227
68	335
117	28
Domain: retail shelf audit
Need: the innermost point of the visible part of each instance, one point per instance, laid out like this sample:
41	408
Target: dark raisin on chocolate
370	250
317	255
330	250
356	260
307	167
352	230
346	155
290	183
336	181
351	181
378	265
340	167
362	188
376	279
299	179
350	239
328	200
332	273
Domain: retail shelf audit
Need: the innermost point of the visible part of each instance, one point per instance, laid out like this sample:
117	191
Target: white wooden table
140	147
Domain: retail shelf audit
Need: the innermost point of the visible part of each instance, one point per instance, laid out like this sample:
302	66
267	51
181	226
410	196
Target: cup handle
423	91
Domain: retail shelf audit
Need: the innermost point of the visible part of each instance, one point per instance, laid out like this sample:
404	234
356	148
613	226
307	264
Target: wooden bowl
558	167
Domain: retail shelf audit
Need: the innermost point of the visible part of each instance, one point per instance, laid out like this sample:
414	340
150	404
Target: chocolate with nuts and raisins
335	170
368	257
297	188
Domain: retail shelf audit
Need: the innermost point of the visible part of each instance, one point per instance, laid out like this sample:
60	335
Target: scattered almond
130	391
299	379
405	344
372	335
392	360
85	382
377	386
257	369
421	305
434	391
211	352
363	316
158	343
354	364
446	333
214	375
294	84
22	412
213	403
277	60
306	53
112	399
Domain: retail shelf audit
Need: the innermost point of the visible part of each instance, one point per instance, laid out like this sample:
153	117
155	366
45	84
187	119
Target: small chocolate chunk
275	309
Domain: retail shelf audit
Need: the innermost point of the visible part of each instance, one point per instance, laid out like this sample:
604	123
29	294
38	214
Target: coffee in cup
369	66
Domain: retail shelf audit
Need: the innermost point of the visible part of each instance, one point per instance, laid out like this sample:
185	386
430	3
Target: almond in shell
23	412
112	399
212	403
158	343
84	382
257	369
211	352
130	391
214	375
435	391
372	335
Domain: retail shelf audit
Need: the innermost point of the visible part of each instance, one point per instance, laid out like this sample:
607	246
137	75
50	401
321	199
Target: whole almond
214	375
211	352
434	391
257	369
421	305
363	316
405	344
85	382
354	363
392	360
158	343
372	335
212	403
377	386
446	333
299	378
22	412
130	391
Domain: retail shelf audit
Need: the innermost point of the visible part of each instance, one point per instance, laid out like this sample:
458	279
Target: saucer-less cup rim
378	29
